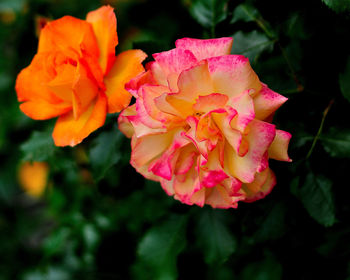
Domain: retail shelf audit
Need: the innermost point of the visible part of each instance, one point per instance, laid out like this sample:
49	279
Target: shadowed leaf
214	236
209	13
161	245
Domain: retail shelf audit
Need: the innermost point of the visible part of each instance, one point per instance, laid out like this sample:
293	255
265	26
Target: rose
201	125
76	76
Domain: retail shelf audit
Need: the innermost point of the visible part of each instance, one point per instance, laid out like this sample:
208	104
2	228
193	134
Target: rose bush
76	76
201	125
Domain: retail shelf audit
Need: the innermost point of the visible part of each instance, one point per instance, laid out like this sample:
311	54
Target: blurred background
84	213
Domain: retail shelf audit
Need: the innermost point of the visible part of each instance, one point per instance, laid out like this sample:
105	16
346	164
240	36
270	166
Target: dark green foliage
267	269
214	236
161	245
337	142
344	81
338	5
251	44
100	219
104	152
315	192
39	147
246	13
209	13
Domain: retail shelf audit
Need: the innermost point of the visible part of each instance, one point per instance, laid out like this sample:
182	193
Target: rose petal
126	66
42	110
260	137
134	84
71	131
203	49
279	146
190	88
124	124
73	84
150	147
267	102
68	33
184	189
31	82
232	75
104	24
173	62
210	102
244	106
165	165
149	96
267	182
218	197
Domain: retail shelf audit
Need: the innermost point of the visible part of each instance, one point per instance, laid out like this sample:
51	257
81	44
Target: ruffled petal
190	88
126	66
31	83
149	148
267	102
260	137
173	62
146	104
104	24
218	197
124	124
42	110
203	49
279	146
68	33
165	165
74	85
69	131
210	102
232	75
244	106
261	186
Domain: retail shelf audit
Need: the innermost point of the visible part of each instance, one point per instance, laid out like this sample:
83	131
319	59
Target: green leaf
9	5
344	81
315	192
56	241
272	226
267	269
246	13
105	152
214	236
209	13
91	236
336	142
161	245
338	5
251	44
39	147
51	273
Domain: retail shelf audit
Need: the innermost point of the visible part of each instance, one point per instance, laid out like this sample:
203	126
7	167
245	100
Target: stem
212	31
259	22
325	112
292	91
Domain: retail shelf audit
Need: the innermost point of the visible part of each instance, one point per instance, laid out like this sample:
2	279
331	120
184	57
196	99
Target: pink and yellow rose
201	125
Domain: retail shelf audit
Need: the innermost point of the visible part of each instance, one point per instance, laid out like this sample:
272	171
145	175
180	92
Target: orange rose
76	76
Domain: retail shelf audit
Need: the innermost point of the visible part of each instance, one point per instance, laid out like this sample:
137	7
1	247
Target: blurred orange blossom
33	177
